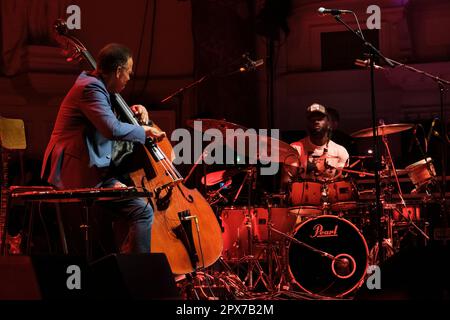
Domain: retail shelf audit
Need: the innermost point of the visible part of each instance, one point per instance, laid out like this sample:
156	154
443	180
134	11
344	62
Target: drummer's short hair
112	56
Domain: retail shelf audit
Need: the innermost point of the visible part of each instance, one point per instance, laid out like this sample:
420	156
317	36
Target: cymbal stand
390	163
325	198
400	193
201	159
252	261
427	163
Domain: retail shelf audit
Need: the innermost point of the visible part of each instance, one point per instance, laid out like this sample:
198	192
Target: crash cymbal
383	130
265	148
221	125
219	176
275	150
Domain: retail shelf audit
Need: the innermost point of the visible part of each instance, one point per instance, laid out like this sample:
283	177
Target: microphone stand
180	94
444	138
441	83
376	143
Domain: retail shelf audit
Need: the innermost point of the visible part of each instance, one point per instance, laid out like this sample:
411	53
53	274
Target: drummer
319	157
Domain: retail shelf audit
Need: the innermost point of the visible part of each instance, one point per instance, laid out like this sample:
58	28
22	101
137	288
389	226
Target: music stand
87	197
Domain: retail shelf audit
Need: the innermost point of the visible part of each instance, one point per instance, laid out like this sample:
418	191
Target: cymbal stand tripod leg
285	279
272	254
388	249
253	266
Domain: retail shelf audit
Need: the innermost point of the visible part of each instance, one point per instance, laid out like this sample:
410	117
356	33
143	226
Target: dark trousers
138	214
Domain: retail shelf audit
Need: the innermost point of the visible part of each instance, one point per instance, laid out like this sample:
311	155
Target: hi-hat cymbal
383	130
221	125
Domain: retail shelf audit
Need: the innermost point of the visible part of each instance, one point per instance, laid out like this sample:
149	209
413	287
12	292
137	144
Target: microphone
334	12
427	141
366	64
250	65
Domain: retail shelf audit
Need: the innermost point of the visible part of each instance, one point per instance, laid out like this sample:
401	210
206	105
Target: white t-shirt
320	162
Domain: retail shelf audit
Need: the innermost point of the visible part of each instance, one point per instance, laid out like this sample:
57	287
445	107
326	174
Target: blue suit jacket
79	152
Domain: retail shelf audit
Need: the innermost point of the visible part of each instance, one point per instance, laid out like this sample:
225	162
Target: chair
13	139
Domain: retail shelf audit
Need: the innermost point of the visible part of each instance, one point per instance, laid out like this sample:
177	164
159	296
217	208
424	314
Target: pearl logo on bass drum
319	232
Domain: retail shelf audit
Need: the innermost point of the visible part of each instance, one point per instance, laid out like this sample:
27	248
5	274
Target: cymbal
221	125
383	130
219	176
274	150
269	149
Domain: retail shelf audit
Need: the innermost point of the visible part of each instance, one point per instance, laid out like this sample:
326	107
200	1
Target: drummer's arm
343	162
343	159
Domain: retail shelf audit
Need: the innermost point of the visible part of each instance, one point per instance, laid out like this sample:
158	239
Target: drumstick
359	172
354	163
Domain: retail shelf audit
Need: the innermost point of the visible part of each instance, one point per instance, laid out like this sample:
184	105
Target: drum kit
311	236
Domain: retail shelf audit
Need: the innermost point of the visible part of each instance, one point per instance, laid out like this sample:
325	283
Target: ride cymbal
383	130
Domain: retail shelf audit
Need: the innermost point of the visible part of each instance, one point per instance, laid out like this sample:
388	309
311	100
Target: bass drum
340	266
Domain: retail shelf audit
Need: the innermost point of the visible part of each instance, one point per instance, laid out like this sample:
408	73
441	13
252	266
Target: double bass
185	227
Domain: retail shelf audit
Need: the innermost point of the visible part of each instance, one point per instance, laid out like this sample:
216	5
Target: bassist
80	151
